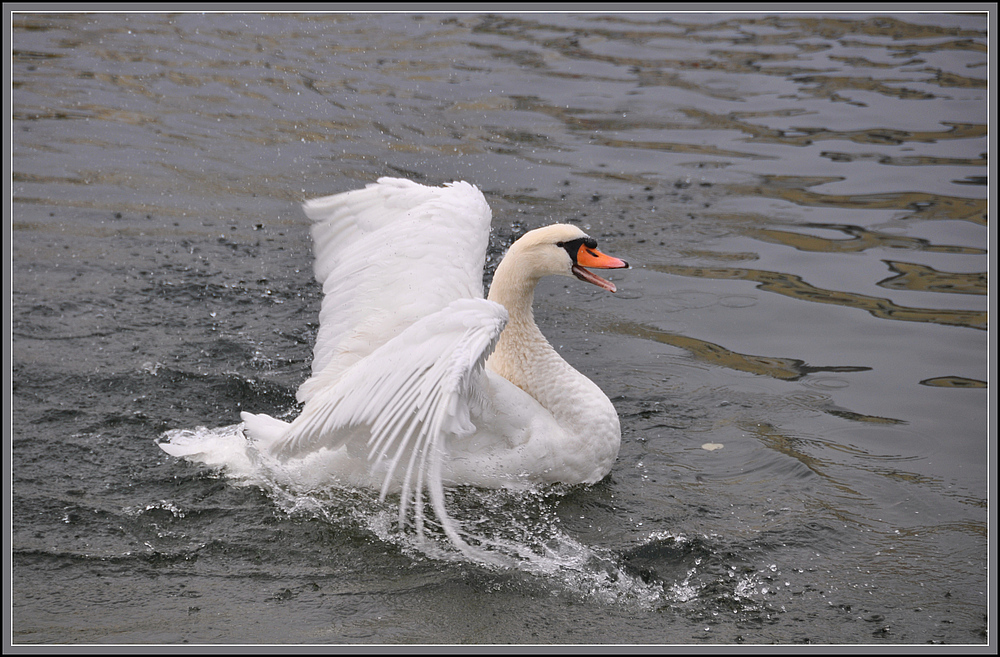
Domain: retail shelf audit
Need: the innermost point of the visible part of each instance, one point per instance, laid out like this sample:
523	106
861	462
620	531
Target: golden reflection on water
954	382
908	160
862	417
675	147
926	279
743	122
787	369
719	255
793	286
732	47
805	136
859	239
924	205
750	46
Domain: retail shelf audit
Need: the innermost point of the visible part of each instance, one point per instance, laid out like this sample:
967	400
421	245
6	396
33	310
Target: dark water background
804	201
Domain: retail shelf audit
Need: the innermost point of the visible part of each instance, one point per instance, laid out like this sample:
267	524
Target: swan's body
418	382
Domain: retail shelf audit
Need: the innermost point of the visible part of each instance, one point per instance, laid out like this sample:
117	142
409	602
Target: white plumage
418	382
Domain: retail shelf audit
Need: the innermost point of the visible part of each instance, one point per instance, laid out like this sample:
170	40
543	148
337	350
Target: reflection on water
860	239
808	135
162	280
787	369
922	205
793	286
927	279
954	382
914	160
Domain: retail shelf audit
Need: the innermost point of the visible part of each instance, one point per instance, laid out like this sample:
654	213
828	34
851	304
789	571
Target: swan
418	382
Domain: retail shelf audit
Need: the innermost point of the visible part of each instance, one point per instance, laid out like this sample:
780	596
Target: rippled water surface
799	355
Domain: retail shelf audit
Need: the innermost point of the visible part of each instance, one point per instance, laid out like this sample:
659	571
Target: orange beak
591	257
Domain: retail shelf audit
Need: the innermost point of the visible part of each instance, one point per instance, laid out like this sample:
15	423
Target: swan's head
562	250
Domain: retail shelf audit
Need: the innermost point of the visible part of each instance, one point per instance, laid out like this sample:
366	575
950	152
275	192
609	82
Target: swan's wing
413	393
386	256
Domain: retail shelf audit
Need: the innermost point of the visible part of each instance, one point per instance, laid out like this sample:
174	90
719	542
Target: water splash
518	532
513	531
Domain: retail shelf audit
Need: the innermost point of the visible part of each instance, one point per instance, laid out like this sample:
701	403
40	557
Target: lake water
799	354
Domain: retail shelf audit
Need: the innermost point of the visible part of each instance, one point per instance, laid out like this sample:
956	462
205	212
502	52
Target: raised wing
413	394
388	255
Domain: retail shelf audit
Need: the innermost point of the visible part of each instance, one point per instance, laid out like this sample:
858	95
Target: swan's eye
573	246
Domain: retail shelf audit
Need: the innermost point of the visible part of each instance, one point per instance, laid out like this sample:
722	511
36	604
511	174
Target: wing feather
386	256
413	393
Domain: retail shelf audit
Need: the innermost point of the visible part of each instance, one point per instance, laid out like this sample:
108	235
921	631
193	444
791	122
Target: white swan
418	382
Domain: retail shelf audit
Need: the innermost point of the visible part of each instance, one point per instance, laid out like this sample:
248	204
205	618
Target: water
798	356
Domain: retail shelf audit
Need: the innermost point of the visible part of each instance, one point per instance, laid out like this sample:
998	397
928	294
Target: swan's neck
589	445
521	347
525	358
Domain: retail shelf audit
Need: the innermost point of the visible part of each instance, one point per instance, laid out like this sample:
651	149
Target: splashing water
511	530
